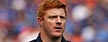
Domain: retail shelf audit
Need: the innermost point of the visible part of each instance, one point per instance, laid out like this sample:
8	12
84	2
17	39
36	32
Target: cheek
48	27
63	24
51	22
48	24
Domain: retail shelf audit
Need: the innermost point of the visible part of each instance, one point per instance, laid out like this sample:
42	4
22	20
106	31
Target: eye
62	17
52	17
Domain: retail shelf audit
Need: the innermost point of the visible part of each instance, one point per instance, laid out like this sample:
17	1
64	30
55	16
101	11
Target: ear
40	20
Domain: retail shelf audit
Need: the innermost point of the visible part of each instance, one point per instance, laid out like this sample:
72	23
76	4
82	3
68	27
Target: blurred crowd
87	20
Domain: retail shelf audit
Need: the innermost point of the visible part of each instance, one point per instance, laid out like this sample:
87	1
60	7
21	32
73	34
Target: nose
58	22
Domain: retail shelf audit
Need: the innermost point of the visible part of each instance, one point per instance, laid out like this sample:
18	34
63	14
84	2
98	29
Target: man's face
54	22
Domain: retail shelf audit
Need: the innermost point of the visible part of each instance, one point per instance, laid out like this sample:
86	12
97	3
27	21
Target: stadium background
87	20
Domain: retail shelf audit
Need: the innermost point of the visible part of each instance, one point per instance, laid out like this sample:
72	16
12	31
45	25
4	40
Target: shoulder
68	41
33	40
64	40
37	40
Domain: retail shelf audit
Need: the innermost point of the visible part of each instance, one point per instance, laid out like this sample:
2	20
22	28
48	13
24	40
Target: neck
47	38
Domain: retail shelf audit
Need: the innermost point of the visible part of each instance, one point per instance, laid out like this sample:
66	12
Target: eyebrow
52	16
62	17
56	16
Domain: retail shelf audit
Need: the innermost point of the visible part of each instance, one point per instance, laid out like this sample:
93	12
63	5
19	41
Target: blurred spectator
18	4
103	6
101	16
76	37
28	34
89	30
80	13
102	33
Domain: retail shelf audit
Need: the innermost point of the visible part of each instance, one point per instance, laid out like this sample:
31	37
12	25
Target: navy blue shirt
39	39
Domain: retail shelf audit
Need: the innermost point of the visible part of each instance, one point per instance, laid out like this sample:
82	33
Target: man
51	18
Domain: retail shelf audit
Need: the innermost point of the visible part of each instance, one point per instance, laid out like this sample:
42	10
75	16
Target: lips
58	28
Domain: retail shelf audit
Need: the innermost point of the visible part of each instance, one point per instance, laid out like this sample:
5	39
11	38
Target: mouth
58	28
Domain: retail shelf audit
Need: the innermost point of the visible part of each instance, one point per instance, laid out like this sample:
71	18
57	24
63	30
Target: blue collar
39	39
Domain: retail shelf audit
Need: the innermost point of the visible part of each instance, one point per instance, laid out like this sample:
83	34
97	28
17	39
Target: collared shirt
39	39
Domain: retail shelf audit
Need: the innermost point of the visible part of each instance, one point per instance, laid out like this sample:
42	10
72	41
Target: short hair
49	4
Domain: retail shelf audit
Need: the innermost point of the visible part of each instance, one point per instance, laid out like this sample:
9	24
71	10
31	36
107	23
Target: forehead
56	11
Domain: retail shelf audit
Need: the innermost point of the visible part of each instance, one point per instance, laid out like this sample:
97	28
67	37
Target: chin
57	34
